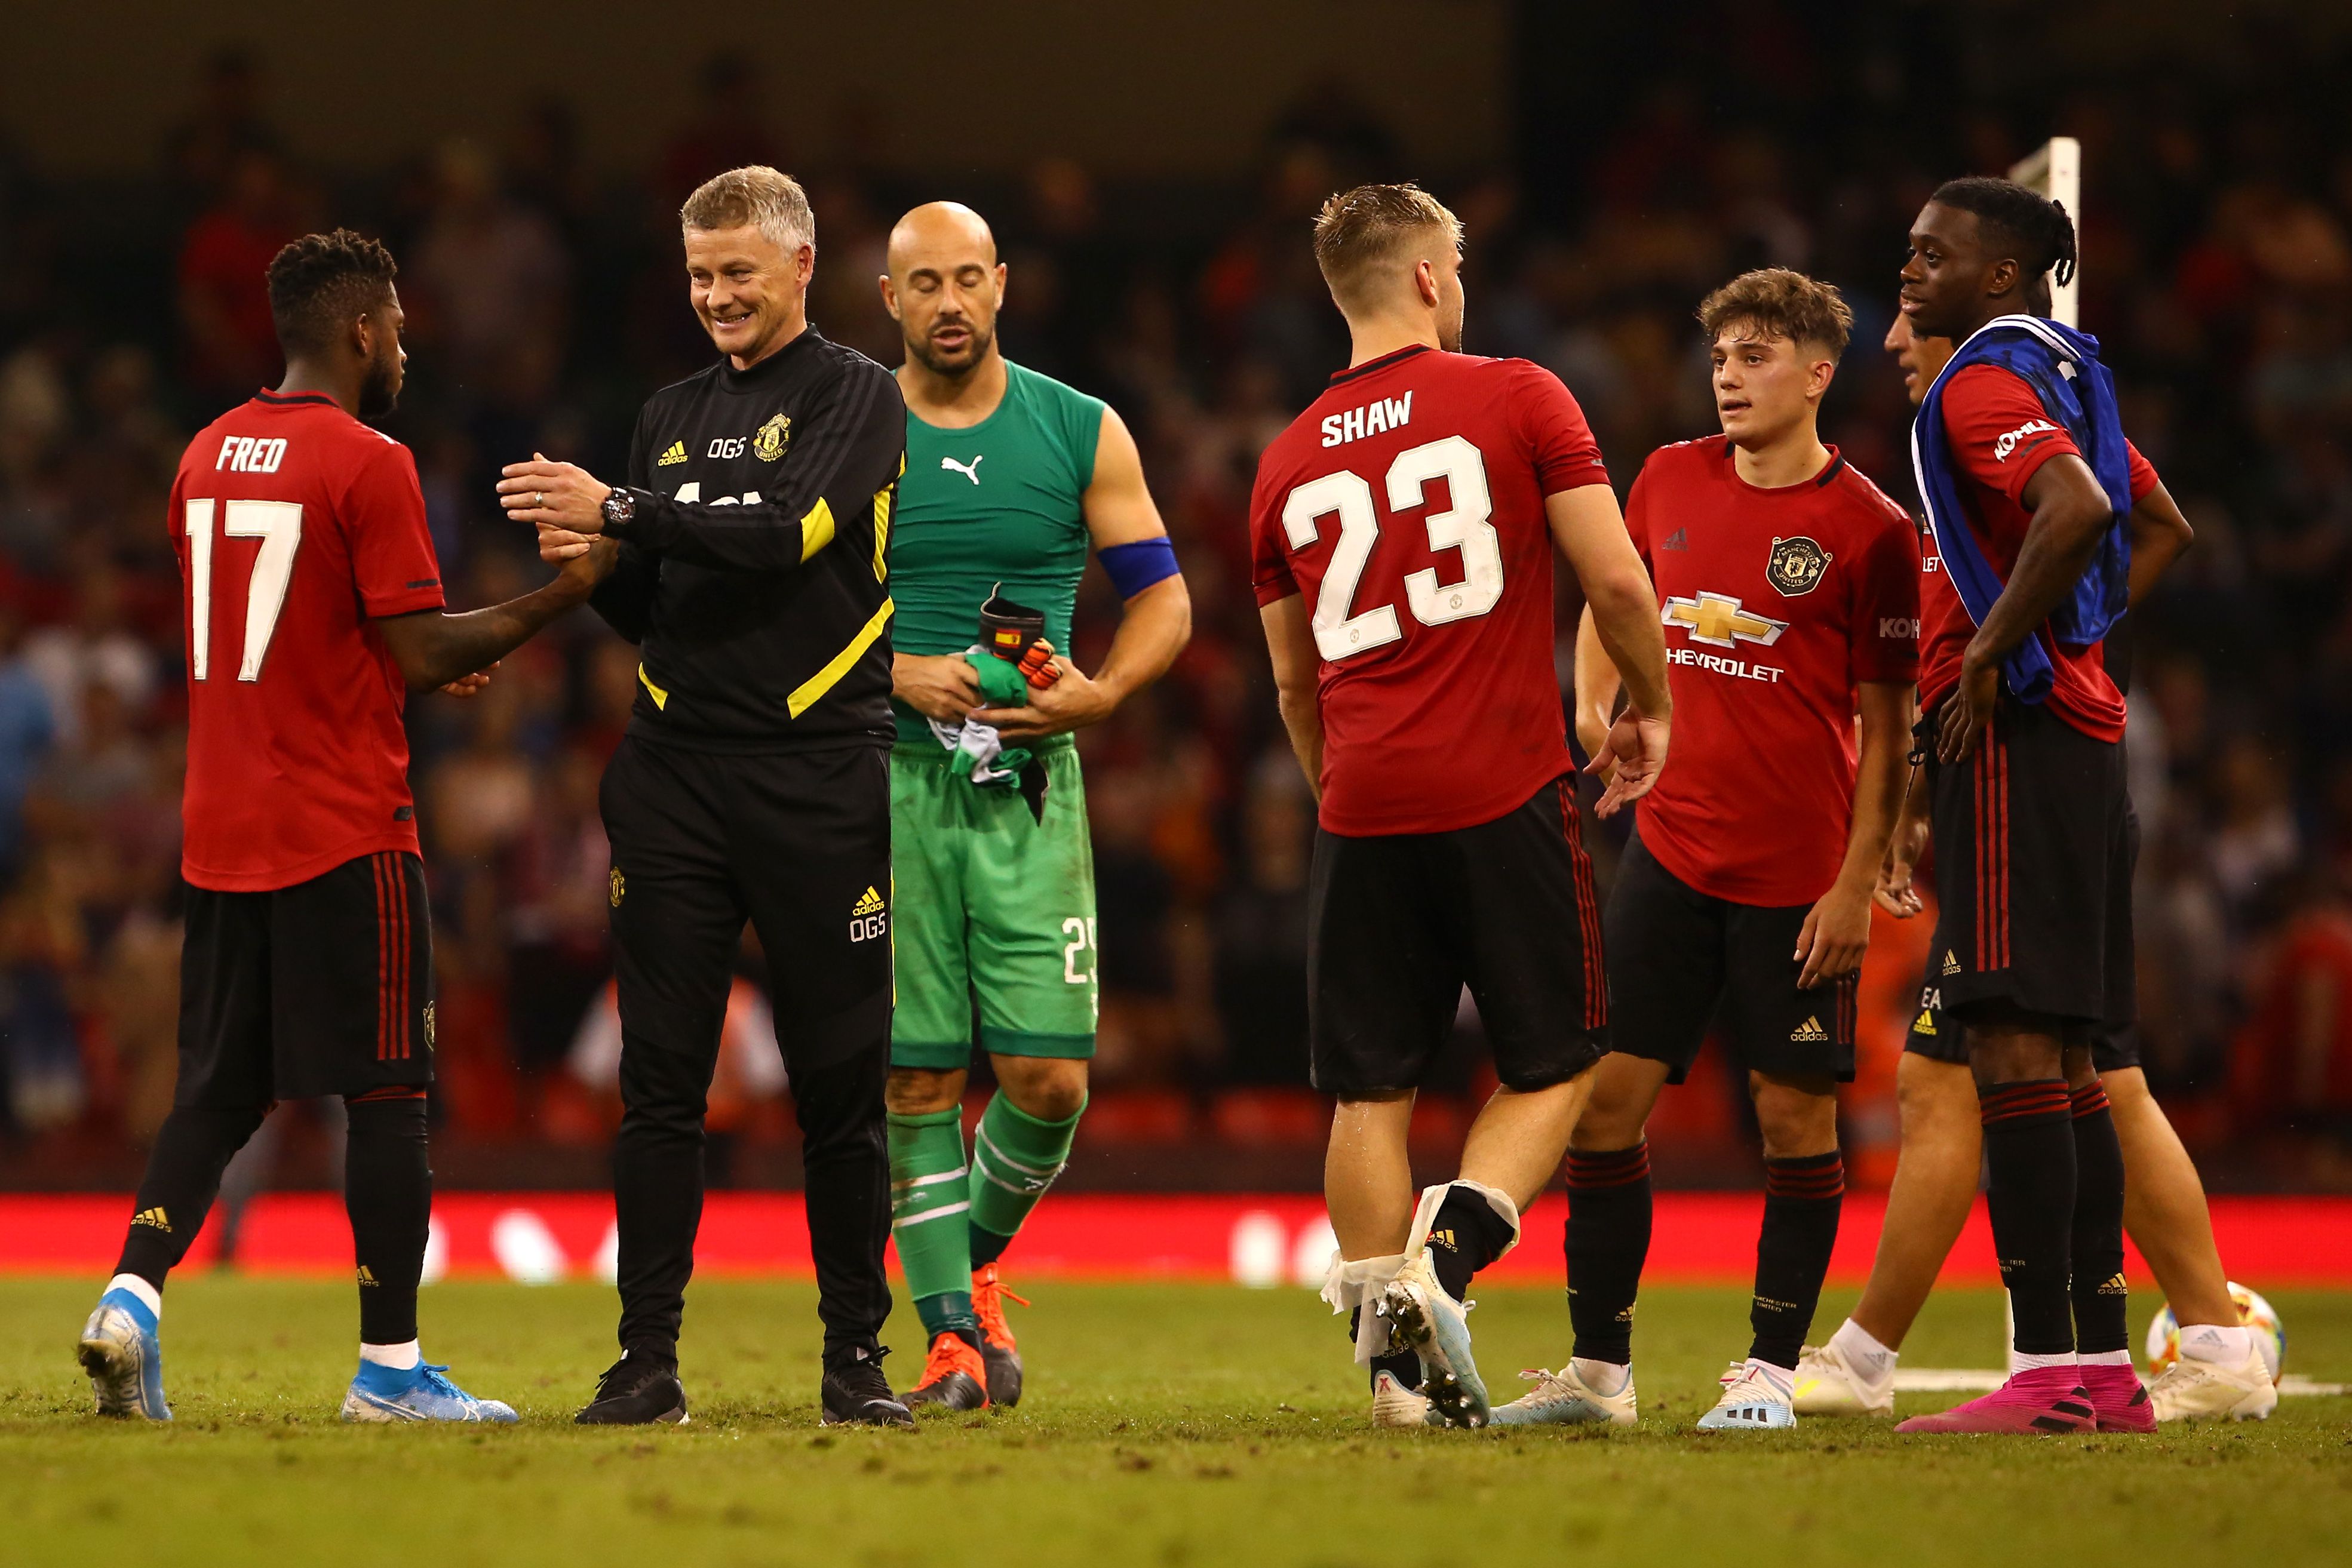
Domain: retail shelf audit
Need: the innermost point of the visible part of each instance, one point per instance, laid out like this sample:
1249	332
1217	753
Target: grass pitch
1169	1424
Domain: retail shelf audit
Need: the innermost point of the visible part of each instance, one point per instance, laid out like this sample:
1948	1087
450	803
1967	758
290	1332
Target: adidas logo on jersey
677	454
867	917
1810	1031
1678	539
154	1218
1924	1024
1951	962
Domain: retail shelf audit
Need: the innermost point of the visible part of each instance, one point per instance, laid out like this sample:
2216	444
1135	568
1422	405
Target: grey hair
756	197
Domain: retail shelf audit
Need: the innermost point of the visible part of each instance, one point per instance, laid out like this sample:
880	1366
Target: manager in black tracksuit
748	558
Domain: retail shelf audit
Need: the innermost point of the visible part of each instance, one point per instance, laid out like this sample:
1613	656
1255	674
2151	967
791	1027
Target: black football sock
388	1192
1404	1365
1802	1198
2029	1143
2102	1301
1464	1236
183	1171
1608	1240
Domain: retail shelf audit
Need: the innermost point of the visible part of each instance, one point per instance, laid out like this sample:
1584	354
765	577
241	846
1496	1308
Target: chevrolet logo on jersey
768	441
677	454
1717	619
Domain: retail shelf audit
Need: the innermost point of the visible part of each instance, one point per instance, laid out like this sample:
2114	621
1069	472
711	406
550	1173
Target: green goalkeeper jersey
996	502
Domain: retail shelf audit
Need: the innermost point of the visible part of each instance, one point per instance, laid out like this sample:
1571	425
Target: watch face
619	506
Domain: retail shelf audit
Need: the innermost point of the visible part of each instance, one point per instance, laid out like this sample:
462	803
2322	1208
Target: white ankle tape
1434	1198
1355	1286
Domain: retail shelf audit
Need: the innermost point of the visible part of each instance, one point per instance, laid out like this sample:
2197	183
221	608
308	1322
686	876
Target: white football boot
1828	1384
1563	1398
2193	1390
1756	1398
1436	1327
1401	1408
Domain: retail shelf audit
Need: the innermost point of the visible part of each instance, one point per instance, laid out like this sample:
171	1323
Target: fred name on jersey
765	445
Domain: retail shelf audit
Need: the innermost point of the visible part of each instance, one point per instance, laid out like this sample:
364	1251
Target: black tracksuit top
754	575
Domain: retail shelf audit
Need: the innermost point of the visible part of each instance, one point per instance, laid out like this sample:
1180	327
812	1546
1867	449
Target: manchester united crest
1796	565
767	441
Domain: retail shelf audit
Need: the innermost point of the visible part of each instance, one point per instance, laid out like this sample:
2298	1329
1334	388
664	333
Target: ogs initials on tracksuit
868	917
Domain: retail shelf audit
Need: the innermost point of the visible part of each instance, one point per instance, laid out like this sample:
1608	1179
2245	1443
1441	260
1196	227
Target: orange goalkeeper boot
954	1378
997	1346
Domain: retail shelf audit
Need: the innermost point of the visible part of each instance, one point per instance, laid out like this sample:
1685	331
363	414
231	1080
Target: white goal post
2055	169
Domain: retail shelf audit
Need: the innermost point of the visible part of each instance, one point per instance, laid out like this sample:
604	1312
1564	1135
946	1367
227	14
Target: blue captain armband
1137	565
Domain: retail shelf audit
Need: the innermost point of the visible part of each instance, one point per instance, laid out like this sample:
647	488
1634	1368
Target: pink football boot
2046	1400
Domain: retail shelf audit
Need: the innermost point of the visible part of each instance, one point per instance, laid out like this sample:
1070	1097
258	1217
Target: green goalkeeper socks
928	1204
1014	1158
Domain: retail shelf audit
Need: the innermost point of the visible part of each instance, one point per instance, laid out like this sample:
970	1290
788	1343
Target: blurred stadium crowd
544	303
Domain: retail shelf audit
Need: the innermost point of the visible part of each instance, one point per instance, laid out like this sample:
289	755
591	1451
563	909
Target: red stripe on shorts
1588	910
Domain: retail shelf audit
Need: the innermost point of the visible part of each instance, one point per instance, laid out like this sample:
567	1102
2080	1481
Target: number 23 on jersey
1341	629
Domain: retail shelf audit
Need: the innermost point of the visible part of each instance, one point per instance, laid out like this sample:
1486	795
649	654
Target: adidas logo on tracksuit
677	454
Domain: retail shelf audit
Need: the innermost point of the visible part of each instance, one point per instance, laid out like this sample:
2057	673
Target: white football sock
2020	1362
151	1295
399	1357
1605	1378
1862	1352
2104	1358
2212	1341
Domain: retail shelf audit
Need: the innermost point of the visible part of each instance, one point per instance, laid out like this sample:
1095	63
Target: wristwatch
618	508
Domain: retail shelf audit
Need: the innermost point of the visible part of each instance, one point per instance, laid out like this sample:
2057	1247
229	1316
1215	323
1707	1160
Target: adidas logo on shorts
1951	962
867	917
1810	1031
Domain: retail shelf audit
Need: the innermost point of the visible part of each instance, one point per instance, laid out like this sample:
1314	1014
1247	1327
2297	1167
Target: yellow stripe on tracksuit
805	694
816	532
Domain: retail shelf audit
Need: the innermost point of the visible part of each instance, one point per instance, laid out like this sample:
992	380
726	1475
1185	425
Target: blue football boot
124	1358
416	1393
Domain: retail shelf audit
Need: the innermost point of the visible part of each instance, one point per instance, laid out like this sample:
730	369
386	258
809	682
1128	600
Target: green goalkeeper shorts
990	905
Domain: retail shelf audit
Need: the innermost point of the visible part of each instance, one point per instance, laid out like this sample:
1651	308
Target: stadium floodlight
2055	169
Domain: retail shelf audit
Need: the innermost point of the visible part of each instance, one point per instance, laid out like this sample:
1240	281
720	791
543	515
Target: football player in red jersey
2023	463
1788	586
1402	530
314	605
2220	1371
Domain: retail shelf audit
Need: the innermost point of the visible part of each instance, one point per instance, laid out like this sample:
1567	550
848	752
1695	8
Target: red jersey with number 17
1406	506
295	524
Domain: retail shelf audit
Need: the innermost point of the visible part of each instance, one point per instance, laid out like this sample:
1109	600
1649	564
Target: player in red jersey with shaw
1789	587
1402	530
314	603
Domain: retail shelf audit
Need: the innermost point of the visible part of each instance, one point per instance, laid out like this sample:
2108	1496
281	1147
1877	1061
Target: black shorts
324	987
2034	843
796	843
1398	924
1679	958
2115	1044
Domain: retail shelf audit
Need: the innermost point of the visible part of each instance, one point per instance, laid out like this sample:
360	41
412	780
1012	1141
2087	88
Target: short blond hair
1778	302
1361	235
754	196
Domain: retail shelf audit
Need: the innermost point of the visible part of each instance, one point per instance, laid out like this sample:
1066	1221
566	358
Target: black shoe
855	1392
637	1390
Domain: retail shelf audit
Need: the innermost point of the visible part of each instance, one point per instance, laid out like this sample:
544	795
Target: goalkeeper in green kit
1011	476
